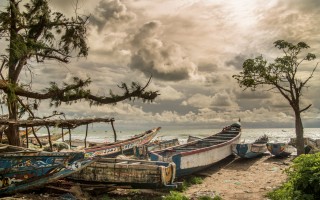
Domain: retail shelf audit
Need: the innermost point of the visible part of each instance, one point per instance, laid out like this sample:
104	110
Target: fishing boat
245	150
200	154
192	138
251	150
279	149
81	143
22	134
310	145
121	147
142	151
44	139
23	169
135	173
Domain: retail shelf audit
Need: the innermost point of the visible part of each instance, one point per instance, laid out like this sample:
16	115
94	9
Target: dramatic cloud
191	48
163	60
109	12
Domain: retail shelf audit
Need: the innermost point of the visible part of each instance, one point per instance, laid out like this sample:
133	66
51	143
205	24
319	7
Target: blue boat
279	149
22	169
200	154
249	150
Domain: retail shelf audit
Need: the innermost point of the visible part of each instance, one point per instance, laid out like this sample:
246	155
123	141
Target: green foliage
210	198
205	198
217	197
196	180
303	180
280	73
175	196
189	182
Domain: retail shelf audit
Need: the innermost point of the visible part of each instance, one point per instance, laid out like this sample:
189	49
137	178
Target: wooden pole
49	138
69	137
1	135
62	134
34	133
114	132
27	137
85	138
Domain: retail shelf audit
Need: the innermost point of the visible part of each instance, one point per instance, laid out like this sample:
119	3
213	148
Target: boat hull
249	150
136	173
22	169
197	161
197	155
121	147
142	151
279	149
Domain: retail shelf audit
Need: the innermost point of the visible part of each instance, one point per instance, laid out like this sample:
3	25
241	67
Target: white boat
200	154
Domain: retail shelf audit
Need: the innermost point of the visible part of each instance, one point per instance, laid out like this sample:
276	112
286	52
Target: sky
191	48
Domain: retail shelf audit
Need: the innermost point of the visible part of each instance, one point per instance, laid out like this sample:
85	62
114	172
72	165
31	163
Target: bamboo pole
27	137
62	134
69	137
85	138
114	132
34	133
49	138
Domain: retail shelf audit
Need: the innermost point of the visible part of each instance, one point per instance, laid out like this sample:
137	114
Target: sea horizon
98	134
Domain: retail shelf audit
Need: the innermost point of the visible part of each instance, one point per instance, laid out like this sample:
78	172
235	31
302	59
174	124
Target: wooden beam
114	132
34	133
85	138
67	123
70	137
49	138
27	137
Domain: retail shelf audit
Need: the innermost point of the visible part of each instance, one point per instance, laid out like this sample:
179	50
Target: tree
34	33
281	76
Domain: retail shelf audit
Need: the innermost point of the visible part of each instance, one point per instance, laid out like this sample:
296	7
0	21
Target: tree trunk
13	131
299	134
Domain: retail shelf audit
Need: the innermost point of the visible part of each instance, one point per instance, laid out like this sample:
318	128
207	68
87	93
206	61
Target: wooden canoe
197	155
22	134
279	149
44	139
22	169
135	173
249	150
142	151
121	147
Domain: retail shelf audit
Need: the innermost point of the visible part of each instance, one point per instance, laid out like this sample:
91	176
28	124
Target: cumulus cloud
222	100
164	60
169	93
109	12
237	61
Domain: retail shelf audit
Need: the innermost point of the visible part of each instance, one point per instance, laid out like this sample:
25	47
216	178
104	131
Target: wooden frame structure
63	124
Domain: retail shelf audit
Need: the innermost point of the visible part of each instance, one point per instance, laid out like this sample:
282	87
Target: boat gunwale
201	149
119	143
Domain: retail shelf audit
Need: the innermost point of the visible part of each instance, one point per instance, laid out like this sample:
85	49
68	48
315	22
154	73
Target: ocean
248	135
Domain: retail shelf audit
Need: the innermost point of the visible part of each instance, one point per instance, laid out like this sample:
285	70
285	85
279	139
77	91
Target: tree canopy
281	76
34	33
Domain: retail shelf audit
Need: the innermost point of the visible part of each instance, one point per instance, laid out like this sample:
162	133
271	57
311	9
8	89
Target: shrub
175	196
303	180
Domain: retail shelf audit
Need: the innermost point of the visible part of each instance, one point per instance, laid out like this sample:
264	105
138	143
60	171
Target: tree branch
306	108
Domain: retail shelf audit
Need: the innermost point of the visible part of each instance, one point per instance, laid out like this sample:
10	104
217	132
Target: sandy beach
232	179
236	178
